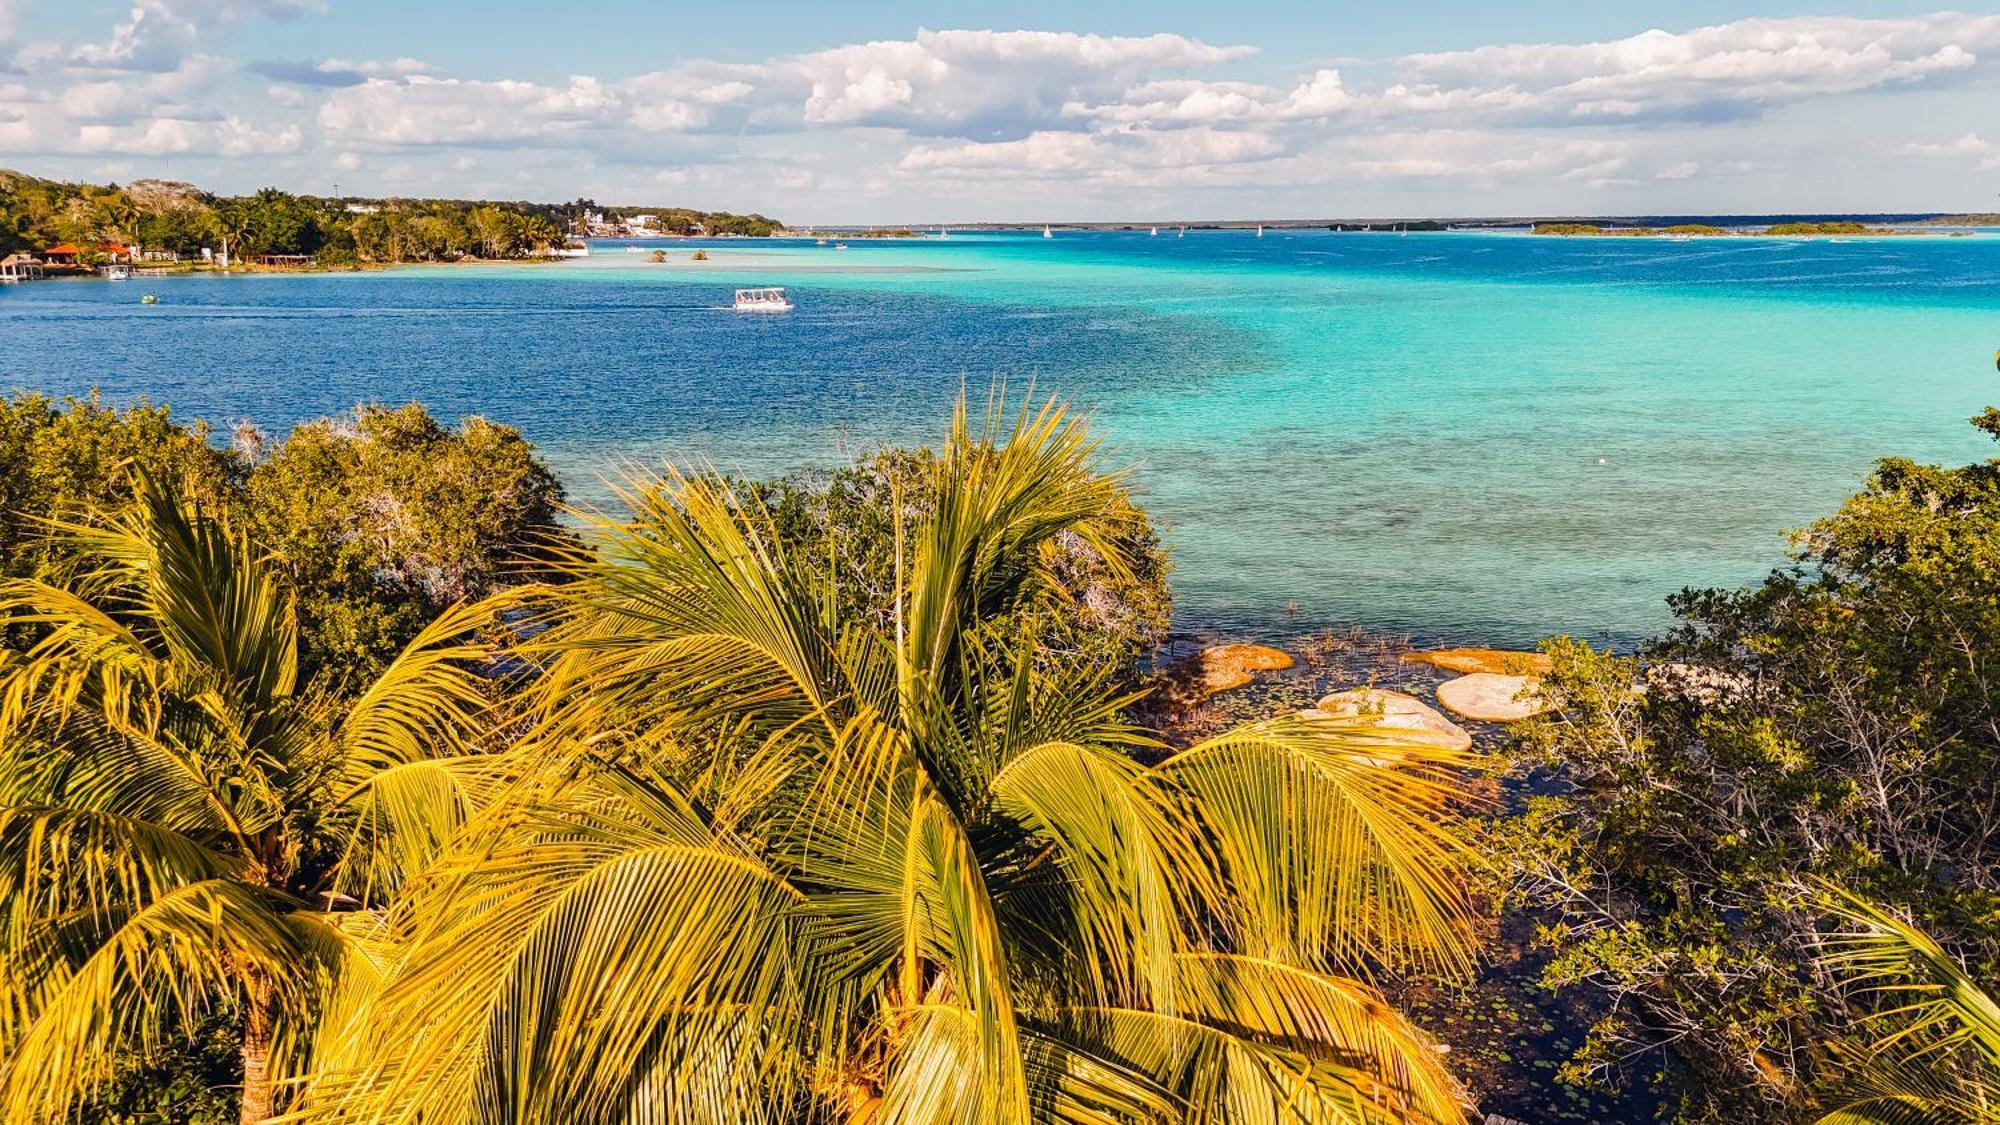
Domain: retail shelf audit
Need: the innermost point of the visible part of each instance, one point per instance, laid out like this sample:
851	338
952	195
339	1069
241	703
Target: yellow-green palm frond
1339	840
573	952
1937	1055
995	502
113	980
410	777
1126	863
1940	1003
935	1078
209	599
1257	1042
689	608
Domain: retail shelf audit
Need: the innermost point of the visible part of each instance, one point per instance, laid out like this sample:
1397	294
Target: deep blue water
1472	436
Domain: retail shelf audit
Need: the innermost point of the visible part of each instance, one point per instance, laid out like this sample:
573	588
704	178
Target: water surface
1467	436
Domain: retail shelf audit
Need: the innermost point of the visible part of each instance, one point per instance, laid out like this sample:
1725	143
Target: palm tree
765	864
1938	1057
185	828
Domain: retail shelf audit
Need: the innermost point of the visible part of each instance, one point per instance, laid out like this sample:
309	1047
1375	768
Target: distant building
19	267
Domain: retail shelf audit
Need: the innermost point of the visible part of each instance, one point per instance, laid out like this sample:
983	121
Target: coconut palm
766	864
1937	1059
184	826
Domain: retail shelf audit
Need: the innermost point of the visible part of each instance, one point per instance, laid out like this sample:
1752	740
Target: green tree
768	861
1837	723
65	458
384	518
185	827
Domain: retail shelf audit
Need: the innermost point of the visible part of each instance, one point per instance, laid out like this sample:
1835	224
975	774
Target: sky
945	111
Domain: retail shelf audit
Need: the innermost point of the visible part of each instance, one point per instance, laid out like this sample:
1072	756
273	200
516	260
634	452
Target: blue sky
940	111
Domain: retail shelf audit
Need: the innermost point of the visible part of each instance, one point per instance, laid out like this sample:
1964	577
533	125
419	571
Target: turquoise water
1478	437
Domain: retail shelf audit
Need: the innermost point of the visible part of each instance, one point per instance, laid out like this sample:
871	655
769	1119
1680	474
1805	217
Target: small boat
766	300
634	250
943	233
1182	234
1839	241
1047	233
840	246
149	299
117	272
1260	230
1156	232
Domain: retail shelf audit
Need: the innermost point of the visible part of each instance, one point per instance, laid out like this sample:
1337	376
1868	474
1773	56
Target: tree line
36	214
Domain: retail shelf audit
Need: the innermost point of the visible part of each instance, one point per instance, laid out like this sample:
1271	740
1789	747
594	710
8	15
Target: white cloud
1095	155
1971	144
159	34
1727	70
998	112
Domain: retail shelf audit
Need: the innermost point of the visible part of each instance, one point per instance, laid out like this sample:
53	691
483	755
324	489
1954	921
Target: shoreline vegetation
269	709
168	226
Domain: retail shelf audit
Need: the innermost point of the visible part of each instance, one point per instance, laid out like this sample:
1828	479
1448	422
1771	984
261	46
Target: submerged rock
1231	666
1491	697
1499	661
1395	710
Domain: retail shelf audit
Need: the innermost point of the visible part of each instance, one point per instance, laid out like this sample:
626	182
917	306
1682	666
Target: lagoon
1466	436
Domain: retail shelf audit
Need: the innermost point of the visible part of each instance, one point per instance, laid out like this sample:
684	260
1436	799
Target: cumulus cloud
1967	146
159	34
994	107
334	72
1723	71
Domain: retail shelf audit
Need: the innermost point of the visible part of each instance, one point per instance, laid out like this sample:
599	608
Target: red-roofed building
70	254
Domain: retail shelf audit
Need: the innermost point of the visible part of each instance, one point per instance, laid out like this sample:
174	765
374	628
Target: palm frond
1339	837
185	952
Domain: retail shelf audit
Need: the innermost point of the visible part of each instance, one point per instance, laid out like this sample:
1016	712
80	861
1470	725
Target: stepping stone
1396	711
1231	666
1466	661
1491	698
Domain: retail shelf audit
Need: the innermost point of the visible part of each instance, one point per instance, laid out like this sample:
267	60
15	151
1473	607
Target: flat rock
1491	697
1231	666
1499	661
1394	710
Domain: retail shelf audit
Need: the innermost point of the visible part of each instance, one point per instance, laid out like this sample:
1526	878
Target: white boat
1260	230
117	272
819	242
840	246
1047	233
1156	232
943	233
1182	234
762	301
634	250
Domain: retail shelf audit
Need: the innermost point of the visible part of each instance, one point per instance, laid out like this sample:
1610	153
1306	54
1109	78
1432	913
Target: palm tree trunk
259	1096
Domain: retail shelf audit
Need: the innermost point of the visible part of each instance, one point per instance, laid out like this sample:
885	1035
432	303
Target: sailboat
1260	230
1156	232
943	233
1182	234
1047	233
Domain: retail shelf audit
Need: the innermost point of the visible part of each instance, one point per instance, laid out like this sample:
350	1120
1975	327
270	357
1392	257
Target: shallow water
1468	436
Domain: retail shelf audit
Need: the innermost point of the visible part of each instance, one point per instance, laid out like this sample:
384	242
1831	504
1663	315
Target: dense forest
36	214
